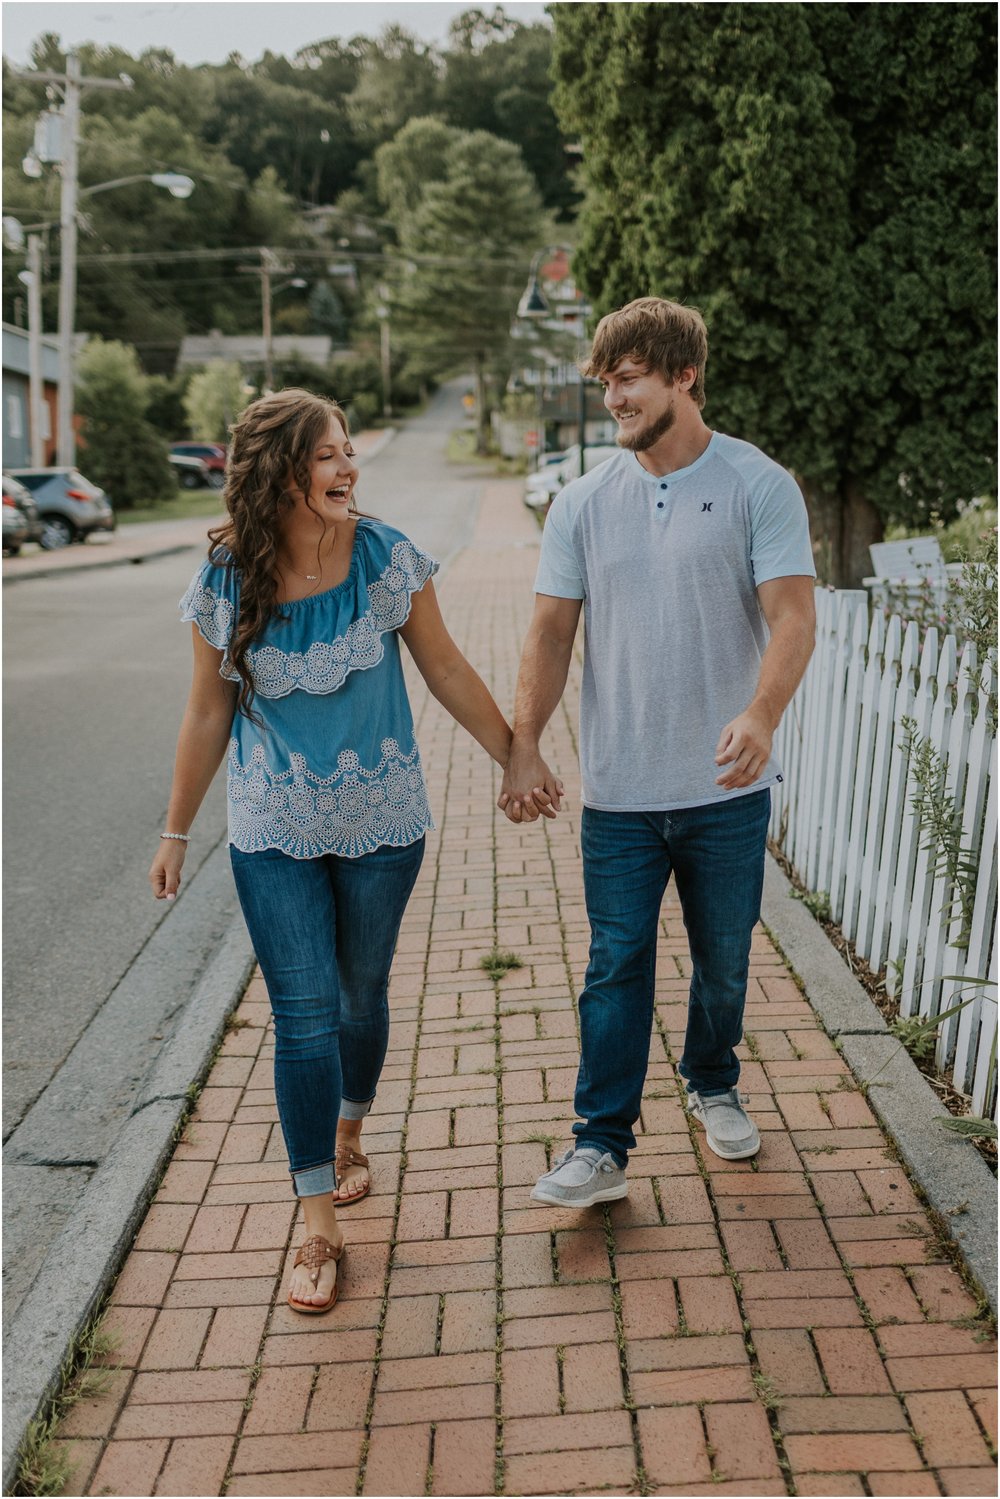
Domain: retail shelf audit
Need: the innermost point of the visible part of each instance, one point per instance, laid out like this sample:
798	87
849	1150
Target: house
552	335
16	403
247	350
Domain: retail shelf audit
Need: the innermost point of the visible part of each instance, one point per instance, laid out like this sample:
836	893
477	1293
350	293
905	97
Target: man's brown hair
665	336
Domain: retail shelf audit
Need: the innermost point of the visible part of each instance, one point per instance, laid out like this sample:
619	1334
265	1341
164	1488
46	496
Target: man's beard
647	437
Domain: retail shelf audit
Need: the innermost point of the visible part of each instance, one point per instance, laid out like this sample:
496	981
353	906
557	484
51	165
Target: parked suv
542	486
70	506
193	473
212	454
21	521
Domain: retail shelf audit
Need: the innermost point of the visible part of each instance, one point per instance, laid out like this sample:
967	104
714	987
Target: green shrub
120	450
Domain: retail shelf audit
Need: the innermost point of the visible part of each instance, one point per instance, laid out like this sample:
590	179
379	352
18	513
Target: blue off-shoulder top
332	767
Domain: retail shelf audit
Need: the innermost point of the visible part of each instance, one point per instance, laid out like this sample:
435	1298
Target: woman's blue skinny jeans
324	931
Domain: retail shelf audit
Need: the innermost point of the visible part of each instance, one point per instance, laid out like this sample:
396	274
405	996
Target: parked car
191	472
542	486
70	507
21	521
212	454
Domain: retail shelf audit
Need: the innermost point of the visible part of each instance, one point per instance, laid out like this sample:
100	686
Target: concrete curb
87	1256
133	559
950	1172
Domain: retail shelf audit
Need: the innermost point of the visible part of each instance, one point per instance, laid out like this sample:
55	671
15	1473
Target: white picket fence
843	816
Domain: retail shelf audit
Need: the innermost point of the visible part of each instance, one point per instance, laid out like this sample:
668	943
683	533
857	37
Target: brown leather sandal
343	1158
314	1254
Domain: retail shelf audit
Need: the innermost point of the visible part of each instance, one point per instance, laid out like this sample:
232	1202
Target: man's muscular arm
744	746
529	787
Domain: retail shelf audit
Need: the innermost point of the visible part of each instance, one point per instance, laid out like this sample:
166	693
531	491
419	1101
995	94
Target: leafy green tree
326	312
263	123
918	86
465	251
815	179
416	156
166	411
214	398
497	78
122	451
397	79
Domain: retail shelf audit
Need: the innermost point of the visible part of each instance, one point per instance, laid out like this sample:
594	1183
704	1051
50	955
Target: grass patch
190	504
461	448
498	961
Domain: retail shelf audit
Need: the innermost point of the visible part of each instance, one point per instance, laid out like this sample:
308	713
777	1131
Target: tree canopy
282	152
820	181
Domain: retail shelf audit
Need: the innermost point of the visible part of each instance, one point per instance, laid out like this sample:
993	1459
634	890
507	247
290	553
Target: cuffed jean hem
620	1159
351	1110
315	1180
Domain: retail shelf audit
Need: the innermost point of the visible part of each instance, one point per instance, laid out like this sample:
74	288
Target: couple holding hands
689	552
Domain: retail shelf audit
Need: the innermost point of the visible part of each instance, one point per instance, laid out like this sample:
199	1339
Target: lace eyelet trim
352	812
326	664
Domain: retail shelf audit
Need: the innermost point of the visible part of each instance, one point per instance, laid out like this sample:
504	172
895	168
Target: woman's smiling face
332	476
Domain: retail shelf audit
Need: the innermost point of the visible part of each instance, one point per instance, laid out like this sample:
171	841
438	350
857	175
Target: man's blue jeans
324	931
716	854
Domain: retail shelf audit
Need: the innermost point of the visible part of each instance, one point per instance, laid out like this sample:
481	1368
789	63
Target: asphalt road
96	671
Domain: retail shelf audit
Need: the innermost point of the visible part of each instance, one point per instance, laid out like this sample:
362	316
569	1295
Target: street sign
531	439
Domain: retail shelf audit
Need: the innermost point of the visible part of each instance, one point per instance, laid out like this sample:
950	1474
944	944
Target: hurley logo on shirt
707	506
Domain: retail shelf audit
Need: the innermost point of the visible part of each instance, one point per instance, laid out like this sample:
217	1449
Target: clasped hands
530	789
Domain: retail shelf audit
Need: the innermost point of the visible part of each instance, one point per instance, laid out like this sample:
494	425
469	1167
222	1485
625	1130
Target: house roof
202	348
15	353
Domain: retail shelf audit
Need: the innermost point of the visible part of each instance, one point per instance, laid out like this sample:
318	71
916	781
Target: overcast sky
196	31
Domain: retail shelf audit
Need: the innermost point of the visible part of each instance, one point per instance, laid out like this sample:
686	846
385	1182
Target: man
690	553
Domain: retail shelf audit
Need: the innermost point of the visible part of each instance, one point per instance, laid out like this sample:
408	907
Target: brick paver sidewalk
777	1326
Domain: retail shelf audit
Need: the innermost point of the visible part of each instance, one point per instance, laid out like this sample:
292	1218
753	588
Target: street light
57	138
178	185
534	306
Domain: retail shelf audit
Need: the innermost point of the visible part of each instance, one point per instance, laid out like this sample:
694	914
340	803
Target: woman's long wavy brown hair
272	447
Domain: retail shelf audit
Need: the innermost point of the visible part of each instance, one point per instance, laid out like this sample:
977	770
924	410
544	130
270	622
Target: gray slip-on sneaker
580	1178
728	1129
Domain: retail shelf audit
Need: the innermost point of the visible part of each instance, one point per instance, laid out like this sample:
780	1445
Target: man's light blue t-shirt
668	569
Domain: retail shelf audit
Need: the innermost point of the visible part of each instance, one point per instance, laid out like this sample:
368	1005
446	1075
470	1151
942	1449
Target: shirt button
663	486
659	504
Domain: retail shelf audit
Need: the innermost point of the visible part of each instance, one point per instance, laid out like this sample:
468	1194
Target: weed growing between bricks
957	1103
42	1466
398	1201
949	1250
942	1241
763	1387
496	973
642	1483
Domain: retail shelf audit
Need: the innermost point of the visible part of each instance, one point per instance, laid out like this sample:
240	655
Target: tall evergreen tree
783	168
465	249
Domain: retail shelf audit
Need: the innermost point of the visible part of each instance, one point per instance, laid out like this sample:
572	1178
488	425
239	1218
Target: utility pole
35	396
71	84
65	434
385	350
269	266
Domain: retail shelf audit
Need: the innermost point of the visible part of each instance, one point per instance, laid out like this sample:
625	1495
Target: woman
297	674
